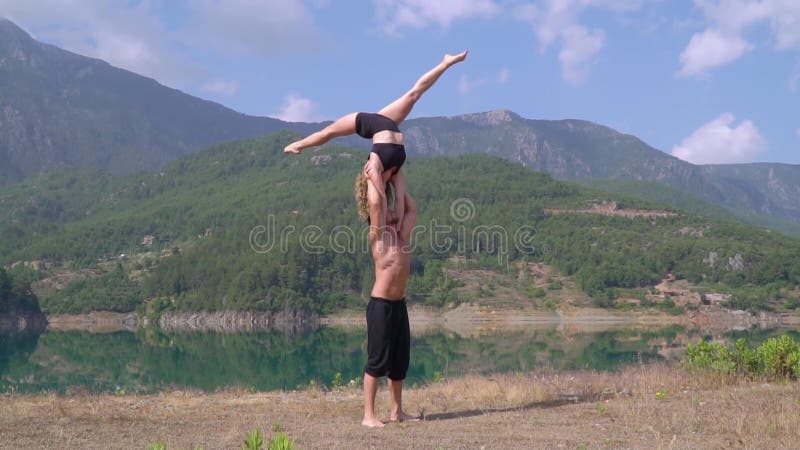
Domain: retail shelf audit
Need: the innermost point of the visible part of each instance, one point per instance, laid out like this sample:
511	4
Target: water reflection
149	360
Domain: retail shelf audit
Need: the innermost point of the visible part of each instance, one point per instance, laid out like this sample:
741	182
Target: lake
150	360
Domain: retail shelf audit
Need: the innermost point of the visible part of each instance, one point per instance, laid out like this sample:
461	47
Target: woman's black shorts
388	338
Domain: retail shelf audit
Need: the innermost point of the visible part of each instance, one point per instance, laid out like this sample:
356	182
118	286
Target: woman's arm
376	176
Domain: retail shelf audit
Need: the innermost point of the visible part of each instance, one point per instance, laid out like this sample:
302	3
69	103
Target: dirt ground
642	407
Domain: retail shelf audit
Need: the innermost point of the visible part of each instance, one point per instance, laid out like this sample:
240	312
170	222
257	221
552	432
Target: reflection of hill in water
150	360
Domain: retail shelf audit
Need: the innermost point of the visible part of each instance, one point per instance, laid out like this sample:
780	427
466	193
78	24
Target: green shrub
713	356
775	358
539	293
780	357
336	383
254	440
281	442
746	359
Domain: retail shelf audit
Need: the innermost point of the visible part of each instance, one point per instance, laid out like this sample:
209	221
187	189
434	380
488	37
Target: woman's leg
341	127
399	109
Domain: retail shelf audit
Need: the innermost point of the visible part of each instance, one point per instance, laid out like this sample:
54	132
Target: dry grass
643	407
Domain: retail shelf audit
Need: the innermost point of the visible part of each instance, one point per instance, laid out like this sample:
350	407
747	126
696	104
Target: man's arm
409	218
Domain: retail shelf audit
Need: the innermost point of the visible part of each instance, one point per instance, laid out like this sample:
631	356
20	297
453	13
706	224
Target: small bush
713	356
254	440
780	357
775	358
281	442
336	383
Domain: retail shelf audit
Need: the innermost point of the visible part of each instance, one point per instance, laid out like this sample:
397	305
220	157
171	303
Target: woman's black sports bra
391	155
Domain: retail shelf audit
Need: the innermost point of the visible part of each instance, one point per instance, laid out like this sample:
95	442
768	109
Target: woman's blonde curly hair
360	191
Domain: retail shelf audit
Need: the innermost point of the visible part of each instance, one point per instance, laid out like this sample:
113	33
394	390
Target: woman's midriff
387	137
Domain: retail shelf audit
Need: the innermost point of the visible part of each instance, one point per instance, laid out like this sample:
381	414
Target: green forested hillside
243	226
663	194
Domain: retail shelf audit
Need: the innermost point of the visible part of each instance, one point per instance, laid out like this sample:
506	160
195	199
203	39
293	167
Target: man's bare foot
449	60
403	417
292	148
372	423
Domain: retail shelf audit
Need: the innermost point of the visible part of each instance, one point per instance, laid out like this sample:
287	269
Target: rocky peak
490	118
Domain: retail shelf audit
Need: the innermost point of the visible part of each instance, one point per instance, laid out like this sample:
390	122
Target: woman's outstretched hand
449	60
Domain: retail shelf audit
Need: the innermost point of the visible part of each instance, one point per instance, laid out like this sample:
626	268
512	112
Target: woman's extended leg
341	127
399	109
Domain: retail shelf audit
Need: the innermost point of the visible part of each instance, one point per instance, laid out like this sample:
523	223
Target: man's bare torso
392	264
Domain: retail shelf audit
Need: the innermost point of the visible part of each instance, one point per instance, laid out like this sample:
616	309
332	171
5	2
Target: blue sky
710	81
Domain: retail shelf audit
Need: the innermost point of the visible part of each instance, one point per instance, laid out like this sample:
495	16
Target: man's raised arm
409	218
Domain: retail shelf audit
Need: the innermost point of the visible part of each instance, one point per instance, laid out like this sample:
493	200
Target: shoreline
465	319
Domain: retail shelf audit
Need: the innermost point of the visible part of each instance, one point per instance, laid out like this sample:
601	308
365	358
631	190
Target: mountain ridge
59	109
572	149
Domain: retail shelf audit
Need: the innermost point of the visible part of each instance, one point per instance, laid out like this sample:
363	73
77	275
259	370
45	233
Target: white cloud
134	35
262	27
726	23
580	47
129	36
221	87
466	85
717	142
557	23
298	109
393	15
503	75
710	49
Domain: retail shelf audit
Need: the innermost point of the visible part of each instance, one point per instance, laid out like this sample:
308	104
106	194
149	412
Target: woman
388	152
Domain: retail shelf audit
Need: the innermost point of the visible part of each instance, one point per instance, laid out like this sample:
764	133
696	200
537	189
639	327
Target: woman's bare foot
402	417
292	148
372	423
449	60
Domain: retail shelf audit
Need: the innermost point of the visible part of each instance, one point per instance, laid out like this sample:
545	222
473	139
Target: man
388	335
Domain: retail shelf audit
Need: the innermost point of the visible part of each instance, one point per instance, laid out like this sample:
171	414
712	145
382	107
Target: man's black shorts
388	338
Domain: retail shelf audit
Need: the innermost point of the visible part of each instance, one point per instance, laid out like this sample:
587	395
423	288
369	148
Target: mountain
243	226
59	109
764	194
